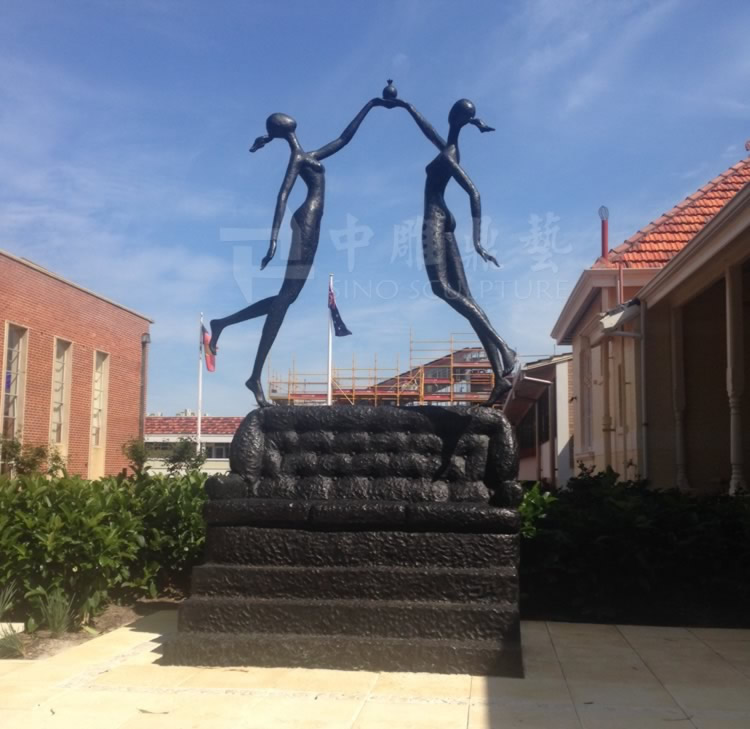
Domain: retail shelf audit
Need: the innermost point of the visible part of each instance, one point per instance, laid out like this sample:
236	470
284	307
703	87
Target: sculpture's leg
259	308
274	319
449	283
457	281
297	271
502	384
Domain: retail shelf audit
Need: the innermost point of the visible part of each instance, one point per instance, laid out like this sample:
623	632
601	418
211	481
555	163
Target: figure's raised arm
348	133
278	216
427	129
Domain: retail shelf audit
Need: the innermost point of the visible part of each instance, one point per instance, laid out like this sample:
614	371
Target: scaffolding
452	371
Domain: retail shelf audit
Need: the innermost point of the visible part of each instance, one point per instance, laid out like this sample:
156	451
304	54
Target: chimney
604	215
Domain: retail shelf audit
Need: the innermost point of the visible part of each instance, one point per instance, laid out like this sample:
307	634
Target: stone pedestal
361	538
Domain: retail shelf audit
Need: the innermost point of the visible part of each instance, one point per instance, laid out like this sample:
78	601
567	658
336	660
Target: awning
526	391
616	318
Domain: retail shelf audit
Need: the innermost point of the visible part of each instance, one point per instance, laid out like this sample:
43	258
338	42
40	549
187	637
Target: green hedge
607	551
598	551
95	540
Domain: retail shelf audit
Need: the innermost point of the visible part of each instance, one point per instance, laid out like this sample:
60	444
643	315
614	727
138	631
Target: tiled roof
180	425
666	236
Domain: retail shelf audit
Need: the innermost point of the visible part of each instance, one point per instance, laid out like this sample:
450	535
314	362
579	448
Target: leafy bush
173	531
621	551
23	459
534	508
11	644
94	540
57	611
136	452
184	458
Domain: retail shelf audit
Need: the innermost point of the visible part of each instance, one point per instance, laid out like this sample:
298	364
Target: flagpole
329	399
200	386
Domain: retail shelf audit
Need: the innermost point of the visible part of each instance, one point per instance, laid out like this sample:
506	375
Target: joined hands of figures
388	103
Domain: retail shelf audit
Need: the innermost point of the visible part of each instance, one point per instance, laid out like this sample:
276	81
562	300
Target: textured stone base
351	653
395	601
369	538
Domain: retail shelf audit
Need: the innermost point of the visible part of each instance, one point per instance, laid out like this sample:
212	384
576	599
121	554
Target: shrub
57	611
137	454
11	644
173	530
92	540
184	458
23	459
534	507
69	534
621	551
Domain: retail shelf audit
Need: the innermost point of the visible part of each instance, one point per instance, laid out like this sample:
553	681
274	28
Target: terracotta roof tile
181	425
662	239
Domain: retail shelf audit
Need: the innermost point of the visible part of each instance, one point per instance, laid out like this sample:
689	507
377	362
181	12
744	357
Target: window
437	373
159	449
97	453
216	450
99	400
13	382
60	393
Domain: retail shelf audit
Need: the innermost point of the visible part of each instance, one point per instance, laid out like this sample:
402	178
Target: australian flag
339	327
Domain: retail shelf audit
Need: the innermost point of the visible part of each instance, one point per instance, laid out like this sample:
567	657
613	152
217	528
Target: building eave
40	269
706	248
589	283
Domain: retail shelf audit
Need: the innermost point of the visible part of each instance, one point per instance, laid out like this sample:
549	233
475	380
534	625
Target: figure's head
461	113
464	112
278	126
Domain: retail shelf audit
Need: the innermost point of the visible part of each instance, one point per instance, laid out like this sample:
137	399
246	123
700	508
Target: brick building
73	367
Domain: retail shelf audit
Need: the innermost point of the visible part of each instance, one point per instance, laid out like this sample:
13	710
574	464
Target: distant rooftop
188	425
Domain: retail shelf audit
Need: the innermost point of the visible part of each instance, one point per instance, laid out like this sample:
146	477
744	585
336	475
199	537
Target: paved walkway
592	676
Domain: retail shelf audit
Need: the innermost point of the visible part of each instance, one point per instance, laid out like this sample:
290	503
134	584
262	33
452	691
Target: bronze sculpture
441	255
305	233
363	538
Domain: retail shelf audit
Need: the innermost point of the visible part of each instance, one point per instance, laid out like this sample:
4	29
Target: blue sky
125	127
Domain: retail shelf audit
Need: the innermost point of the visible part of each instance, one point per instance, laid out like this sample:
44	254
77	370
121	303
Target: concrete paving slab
577	676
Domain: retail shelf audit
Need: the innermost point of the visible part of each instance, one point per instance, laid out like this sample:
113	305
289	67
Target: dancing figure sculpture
441	254
305	233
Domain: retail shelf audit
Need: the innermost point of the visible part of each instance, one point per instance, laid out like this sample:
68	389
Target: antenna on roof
747	145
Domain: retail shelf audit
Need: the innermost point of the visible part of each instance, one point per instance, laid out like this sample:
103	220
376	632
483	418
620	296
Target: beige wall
706	417
659	409
707	406
582	453
624	404
620	364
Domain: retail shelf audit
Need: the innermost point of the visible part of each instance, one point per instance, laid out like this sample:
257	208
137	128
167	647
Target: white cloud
619	48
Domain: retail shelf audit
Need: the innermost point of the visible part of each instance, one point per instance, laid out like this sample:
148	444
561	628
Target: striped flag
210	358
339	327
